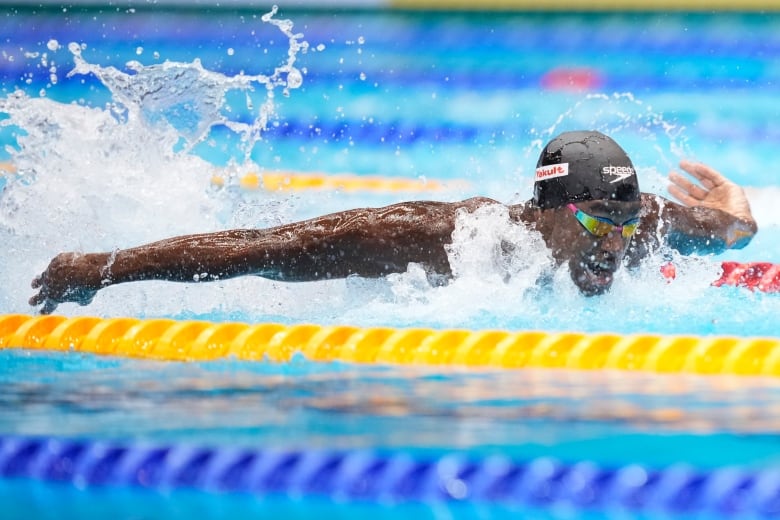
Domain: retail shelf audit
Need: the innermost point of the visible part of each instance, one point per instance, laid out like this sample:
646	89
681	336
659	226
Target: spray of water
654	143
100	178
193	99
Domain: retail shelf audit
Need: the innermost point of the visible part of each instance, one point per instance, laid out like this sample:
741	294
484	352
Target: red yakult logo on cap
553	170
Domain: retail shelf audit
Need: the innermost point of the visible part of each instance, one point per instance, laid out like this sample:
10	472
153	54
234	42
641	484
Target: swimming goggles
600	226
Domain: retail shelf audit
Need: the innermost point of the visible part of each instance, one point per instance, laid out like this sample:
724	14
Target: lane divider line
390	476
173	340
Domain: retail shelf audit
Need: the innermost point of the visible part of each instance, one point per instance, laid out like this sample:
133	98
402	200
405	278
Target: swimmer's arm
712	216
364	242
700	230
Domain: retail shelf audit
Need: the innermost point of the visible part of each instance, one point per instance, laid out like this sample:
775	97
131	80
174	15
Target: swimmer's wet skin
586	205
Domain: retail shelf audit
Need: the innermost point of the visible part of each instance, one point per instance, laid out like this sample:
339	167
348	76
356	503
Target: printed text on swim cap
618	173
552	171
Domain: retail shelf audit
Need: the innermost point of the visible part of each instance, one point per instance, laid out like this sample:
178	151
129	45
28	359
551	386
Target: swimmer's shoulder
650	200
477	202
523	212
431	210
652	206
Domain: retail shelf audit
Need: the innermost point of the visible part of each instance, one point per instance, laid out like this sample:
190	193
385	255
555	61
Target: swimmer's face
592	259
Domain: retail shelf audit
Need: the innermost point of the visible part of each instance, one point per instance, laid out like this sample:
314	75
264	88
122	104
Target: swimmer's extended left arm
712	216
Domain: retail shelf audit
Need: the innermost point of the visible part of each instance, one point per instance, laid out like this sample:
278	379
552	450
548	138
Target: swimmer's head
588	188
581	166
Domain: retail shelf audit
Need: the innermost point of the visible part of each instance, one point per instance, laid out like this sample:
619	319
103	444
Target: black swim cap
585	165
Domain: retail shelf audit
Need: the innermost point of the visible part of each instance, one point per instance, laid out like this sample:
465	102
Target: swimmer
586	205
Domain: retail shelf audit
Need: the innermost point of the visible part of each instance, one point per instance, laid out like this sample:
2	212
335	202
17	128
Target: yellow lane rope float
296	181
168	339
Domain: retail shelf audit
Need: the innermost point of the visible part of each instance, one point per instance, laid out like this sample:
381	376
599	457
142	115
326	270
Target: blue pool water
108	160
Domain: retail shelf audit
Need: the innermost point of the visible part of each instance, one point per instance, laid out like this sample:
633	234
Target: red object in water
669	271
577	79
762	276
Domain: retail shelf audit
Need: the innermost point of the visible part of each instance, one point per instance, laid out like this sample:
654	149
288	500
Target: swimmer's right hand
70	277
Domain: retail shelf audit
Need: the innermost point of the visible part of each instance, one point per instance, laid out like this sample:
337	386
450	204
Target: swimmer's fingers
83	297
48	307
41	297
61	282
716	191
685	191
682	196
709	177
36	299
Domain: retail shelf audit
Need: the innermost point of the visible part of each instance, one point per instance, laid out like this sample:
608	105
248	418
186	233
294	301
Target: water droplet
53	45
294	78
139	50
230	51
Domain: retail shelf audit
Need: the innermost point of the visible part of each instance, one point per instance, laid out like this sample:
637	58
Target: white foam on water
490	279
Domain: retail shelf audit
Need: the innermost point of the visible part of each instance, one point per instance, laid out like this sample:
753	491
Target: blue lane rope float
398	476
394	133
495	74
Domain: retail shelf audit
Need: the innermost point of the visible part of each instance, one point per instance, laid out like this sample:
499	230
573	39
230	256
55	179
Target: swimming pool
464	99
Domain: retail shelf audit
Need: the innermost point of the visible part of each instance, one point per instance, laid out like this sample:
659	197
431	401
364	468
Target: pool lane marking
387	476
287	180
284	180
199	340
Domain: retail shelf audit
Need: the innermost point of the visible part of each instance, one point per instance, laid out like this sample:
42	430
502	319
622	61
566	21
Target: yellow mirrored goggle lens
600	227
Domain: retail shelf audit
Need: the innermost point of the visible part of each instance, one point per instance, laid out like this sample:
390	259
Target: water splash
497	264
88	178
615	115
654	143
193	99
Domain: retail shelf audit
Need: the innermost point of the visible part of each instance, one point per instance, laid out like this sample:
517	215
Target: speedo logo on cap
551	171
616	173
